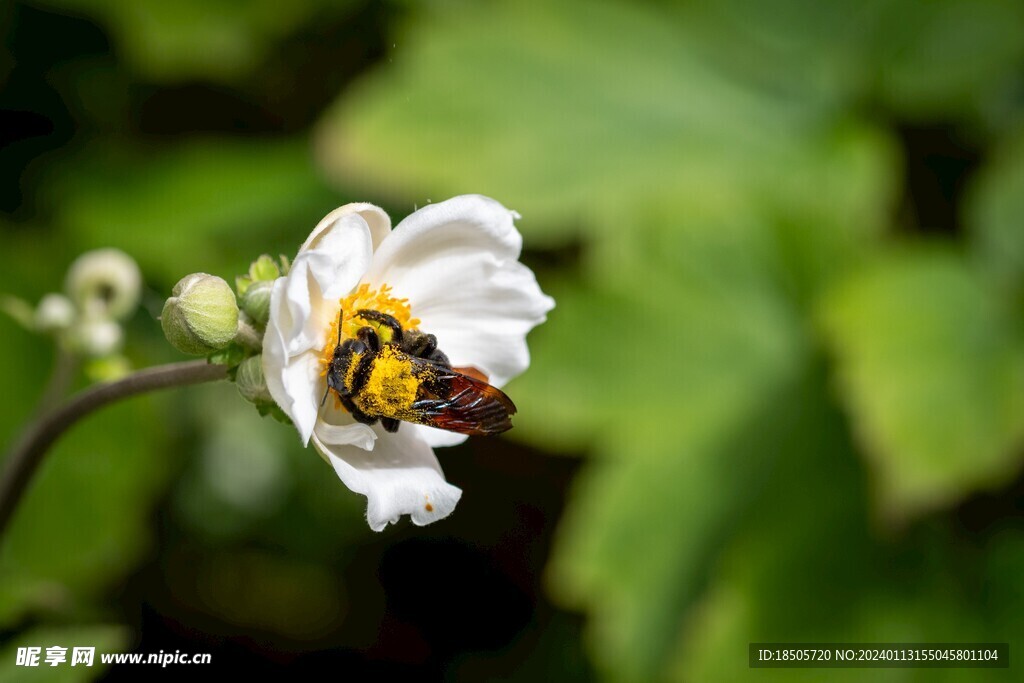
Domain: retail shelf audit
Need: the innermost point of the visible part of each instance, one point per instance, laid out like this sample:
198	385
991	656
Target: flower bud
105	283
95	338
54	312
251	383
264	268
256	301
201	316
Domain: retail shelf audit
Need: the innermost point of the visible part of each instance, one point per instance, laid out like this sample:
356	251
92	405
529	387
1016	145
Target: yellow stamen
380	300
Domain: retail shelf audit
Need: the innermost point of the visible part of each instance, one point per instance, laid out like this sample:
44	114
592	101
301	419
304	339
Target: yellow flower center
380	300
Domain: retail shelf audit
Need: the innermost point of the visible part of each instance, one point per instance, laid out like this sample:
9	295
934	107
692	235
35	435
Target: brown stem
26	455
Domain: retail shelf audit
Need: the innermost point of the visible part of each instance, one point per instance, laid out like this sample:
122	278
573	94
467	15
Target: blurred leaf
836	592
933	375
804	566
920	58
183	210
214	39
83	522
696	338
938	57
106	639
575	387
646	527
995	214
648	343
568	113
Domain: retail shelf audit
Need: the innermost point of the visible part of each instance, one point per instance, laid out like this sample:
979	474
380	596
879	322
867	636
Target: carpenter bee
392	374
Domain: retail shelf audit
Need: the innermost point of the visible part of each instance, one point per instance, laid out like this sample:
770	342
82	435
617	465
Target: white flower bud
96	338
201	316
256	301
105	283
251	383
54	312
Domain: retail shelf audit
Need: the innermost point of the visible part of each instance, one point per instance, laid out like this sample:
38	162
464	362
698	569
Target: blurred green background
781	397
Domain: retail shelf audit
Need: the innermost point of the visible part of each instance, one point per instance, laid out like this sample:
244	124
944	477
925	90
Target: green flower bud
105	283
264	268
201	316
251	383
54	312
256	301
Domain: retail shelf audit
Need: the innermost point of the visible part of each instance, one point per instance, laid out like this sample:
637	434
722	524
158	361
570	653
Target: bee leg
384	319
419	344
390	424
357	415
361	374
425	346
369	336
438	356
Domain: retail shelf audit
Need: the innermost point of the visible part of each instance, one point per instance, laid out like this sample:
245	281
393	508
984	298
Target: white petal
292	380
378	222
323	274
301	306
400	476
465	223
437	438
336	427
456	262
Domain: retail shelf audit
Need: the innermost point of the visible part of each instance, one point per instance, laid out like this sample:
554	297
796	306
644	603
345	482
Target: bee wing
451	400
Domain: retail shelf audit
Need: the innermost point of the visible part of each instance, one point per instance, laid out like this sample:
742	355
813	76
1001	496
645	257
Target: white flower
450	269
105	283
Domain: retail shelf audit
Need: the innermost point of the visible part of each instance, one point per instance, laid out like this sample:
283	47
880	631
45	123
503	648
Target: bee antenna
341	316
324	399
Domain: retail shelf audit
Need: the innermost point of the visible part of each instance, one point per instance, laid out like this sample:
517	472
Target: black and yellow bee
391	374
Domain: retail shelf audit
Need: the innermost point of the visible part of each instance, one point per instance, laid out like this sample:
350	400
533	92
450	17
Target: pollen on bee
391	386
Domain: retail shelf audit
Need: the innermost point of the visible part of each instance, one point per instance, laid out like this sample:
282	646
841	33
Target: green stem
29	451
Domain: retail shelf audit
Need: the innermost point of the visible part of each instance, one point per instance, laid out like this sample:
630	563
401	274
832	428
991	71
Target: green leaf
805	565
105	639
648	521
948	56
995	214
569	112
659	333
932	373
924	60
